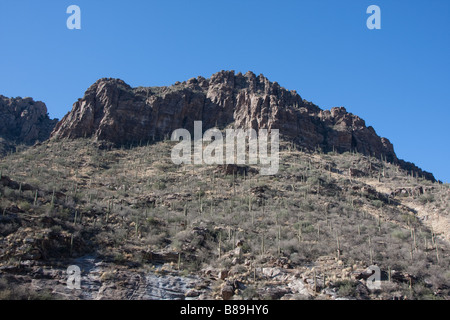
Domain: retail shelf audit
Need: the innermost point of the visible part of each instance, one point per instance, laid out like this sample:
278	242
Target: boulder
300	287
227	292
223	274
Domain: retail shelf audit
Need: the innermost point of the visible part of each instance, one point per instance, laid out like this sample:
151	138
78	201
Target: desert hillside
99	190
141	227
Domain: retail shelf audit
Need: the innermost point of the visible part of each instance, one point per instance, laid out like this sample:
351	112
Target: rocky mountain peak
23	121
113	111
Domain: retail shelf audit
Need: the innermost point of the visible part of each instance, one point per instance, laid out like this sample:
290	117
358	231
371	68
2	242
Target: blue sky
396	78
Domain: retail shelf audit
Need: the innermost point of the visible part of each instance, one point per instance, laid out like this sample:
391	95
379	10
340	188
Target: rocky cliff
113	111
23	121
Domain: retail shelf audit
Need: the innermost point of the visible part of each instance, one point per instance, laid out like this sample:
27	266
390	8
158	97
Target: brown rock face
24	121
113	111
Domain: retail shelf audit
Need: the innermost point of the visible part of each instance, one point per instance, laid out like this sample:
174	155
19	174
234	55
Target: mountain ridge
23	121
137	223
111	110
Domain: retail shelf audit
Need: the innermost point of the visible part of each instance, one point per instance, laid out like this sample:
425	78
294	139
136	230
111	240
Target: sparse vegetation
121	203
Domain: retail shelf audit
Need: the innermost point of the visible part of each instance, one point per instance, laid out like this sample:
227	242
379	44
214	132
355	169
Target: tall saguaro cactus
338	246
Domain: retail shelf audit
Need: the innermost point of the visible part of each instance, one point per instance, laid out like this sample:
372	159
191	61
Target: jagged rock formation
23	121
113	111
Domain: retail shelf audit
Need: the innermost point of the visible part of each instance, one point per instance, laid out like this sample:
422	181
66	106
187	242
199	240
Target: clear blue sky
396	78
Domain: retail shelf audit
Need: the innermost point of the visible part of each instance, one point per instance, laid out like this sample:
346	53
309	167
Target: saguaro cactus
279	240
370	251
437	253
263	248
338	246
299	233
220	244
389	274
71	244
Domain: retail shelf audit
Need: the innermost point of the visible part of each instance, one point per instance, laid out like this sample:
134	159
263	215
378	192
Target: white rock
298	286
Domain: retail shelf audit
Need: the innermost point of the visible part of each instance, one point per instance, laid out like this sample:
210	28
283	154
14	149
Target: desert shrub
401	234
8	228
290	246
119	258
297	258
159	185
426	198
13	291
346	288
421	291
56	229
157	240
249	293
377	203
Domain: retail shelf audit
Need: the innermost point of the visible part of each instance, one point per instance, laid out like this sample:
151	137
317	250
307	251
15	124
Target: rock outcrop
23	121
113	111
